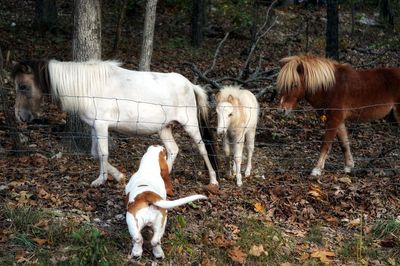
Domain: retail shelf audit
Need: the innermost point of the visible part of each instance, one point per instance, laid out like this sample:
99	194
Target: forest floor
280	216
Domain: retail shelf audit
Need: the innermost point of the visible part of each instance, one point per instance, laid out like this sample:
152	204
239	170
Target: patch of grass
315	235
90	247
178	240
22	219
255	232
387	228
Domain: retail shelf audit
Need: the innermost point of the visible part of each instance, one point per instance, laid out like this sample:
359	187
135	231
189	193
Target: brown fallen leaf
258	207
345	180
209	262
257	251
39	241
220	241
237	255
213	189
323	255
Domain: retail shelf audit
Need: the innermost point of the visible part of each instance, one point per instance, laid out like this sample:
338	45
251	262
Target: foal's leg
170	145
194	132
330	133
134	230
237	157
345	145
250	136
227	150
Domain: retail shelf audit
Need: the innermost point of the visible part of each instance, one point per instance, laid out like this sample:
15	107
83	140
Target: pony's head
301	75
31	83
227	112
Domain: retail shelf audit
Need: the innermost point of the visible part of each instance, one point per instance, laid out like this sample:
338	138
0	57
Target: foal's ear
231	99
165	173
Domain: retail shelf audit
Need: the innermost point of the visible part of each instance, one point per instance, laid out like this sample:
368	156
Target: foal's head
31	83
227	113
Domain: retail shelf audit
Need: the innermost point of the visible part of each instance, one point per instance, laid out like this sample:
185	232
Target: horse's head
29	90
226	114
290	84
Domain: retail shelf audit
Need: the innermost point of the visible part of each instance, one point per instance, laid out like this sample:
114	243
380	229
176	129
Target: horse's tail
168	204
206	135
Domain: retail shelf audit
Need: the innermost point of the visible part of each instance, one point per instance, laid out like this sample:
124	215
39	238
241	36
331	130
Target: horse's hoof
347	169
316	172
120	178
98	182
247	174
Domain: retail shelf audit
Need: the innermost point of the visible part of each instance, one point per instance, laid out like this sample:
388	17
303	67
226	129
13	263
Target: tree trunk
86	45
121	17
148	34
198	16
387	13
45	15
332	30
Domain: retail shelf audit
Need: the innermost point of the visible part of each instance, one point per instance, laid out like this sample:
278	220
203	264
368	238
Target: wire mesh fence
284	145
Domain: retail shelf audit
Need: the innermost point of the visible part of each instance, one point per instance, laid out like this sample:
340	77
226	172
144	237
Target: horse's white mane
76	83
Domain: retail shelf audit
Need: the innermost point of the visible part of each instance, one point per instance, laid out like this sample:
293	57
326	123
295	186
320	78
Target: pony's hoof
347	169
316	172
120	178
98	182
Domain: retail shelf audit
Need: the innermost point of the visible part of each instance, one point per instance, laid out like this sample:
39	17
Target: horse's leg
170	145
237	157
250	136
101	135
93	149
194	133
227	150
345	145
330	133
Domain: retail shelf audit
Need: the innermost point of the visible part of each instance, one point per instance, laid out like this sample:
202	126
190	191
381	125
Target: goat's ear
165	173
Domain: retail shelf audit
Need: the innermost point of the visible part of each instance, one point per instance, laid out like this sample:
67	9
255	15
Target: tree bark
86	45
86	42
121	17
148	35
332	30
198	16
45	15
387	13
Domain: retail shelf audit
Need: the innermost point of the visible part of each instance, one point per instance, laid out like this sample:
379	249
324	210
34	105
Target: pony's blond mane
318	73
75	84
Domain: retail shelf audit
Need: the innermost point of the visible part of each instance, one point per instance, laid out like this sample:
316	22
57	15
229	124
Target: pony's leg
227	151
330	134
250	136
170	145
194	133
101	135
117	175
345	145
237	157
158	229
134	230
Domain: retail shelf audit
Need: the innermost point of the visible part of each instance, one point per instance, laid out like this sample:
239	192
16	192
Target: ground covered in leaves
281	216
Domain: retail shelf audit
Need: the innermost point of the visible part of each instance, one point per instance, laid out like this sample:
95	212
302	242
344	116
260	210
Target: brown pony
339	93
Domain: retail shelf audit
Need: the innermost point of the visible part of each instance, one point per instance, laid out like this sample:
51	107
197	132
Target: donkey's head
31	83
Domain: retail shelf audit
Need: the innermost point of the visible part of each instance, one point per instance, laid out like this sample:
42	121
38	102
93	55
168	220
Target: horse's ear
165	173
230	98
218	96
300	69
26	69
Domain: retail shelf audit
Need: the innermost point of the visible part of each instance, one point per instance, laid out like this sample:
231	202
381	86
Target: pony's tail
206	135
168	204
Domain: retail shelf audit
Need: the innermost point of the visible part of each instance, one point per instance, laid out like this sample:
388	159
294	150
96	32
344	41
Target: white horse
237	111
107	96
